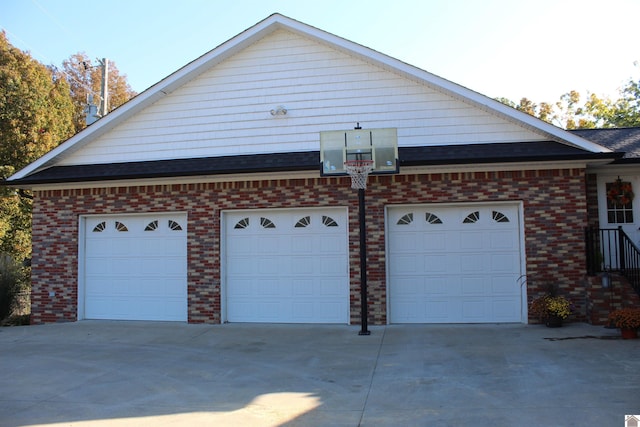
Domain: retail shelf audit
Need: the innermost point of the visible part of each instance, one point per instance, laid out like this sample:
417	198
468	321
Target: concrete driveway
99	373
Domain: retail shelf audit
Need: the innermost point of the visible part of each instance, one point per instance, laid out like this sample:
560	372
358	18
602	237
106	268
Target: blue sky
537	49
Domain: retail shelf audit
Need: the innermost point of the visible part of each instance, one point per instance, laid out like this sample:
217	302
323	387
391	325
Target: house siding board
554	209
225	110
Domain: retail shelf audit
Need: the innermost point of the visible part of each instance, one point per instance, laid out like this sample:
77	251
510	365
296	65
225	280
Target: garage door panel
502	262
471	240
300	266
300	244
474	310
157	266
470	263
332	287
405	264
239	287
330	244
434	285
473	286
432	242
240	245
124	247
503	285
332	265
97	266
502	240
303	287
467	256
302	311
505	309
436	310
267	245
268	265
399	243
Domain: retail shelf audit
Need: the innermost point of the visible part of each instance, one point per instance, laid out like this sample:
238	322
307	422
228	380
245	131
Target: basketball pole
364	309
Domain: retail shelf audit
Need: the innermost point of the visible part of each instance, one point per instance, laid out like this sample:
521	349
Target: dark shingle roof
310	160
621	140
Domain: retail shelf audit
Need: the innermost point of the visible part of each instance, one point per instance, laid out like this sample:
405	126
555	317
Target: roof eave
588	158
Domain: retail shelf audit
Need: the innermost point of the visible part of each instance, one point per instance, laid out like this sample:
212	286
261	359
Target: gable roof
261	30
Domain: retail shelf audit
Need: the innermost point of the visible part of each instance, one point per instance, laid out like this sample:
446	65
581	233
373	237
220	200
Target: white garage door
135	267
454	264
287	266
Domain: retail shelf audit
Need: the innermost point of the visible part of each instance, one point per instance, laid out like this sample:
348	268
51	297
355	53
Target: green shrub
11	284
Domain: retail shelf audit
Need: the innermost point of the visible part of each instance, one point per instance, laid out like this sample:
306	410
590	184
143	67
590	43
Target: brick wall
602	301
554	212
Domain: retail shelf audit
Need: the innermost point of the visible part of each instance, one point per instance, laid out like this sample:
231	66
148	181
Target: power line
53	18
43	57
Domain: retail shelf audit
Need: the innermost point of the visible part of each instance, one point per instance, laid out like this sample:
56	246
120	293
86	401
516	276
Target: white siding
226	111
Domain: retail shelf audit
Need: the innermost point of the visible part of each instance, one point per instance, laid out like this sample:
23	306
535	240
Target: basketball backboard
379	145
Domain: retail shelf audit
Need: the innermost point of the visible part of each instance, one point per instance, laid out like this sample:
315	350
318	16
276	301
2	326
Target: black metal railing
611	250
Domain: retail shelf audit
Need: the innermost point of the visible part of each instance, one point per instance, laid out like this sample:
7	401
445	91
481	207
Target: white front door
455	264
617	209
286	266
612	214
135	267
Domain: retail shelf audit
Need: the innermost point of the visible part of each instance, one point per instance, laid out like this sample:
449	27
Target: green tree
573	111
35	116
85	78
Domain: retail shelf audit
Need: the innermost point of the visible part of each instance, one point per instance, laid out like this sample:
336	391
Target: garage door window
406	219
499	217
174	226
328	221
432	219
243	223
472	218
267	223
152	226
303	222
100	227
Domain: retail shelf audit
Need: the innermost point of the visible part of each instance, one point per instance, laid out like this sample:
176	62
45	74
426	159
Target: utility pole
93	112
104	88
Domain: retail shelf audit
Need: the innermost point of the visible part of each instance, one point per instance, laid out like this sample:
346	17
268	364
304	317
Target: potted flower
551	309
627	320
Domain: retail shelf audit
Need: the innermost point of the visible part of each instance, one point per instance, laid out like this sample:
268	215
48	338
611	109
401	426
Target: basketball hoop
358	170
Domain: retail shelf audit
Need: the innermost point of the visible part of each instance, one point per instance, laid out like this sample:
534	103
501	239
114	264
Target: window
432	219
153	225
243	223
174	226
303	222
619	202
267	223
328	221
100	227
499	217
121	227
406	219
472	218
